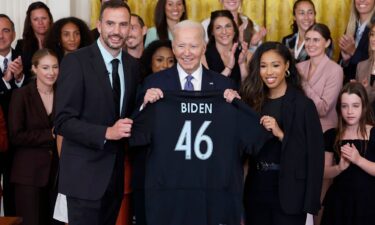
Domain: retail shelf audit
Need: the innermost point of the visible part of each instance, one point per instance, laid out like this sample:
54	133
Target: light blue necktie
188	85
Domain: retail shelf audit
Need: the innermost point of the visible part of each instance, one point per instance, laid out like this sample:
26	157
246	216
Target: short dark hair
140	20
113	4
7	17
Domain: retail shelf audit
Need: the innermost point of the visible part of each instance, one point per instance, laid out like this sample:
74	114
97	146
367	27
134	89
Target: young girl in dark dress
350	160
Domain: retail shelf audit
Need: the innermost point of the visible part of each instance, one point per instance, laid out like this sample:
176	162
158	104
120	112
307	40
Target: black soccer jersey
193	167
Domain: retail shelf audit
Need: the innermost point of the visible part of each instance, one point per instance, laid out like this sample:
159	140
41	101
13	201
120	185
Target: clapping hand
350	152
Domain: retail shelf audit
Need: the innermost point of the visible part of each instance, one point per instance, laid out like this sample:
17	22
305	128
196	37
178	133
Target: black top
270	152
351	195
216	64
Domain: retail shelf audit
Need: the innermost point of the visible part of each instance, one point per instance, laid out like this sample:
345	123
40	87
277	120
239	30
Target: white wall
16	10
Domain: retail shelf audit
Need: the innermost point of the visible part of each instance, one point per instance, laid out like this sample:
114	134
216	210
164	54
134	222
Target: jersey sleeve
251	133
142	126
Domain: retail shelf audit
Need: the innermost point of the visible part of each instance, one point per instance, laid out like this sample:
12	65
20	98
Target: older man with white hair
188	74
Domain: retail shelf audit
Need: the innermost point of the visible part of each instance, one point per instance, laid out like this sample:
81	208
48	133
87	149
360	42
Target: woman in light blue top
167	14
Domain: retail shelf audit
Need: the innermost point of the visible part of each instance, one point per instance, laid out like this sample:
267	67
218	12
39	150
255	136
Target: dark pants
8	188
264	209
35	204
139	206
103	211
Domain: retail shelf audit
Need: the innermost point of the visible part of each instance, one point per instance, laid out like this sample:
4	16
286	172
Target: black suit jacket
5	93
302	155
30	131
84	110
360	54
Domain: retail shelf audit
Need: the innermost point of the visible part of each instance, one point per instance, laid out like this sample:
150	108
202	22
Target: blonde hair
354	17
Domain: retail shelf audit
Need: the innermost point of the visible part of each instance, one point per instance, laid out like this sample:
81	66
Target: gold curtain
275	15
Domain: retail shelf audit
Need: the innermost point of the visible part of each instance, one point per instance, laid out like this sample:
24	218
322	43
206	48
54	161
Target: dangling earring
287	73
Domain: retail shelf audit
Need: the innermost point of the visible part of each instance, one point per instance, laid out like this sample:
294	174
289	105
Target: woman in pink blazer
322	80
322	77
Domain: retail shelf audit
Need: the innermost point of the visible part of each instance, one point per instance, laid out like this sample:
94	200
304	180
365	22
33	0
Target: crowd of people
77	144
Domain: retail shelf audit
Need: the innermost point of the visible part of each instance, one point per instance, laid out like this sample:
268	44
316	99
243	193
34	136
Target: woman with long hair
167	14
284	180
35	163
248	30
37	23
222	53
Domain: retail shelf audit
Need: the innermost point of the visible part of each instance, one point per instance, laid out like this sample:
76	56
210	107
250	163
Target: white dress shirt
197	74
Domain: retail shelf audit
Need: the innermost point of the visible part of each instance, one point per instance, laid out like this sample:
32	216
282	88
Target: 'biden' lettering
201	108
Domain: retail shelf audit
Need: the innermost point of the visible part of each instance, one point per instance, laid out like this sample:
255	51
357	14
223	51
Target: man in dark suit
12	77
94	95
11	70
188	46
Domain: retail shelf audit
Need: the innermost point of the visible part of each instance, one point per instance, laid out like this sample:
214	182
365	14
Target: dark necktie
116	89
5	65
188	85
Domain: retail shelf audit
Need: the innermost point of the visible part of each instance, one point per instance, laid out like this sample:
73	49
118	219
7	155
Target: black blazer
5	93
302	155
84	110
30	132
290	42
360	54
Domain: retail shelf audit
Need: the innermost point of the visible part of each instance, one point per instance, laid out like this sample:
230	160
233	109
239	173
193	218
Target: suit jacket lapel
101	73
319	70
173	79
39	106
207	80
128	79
